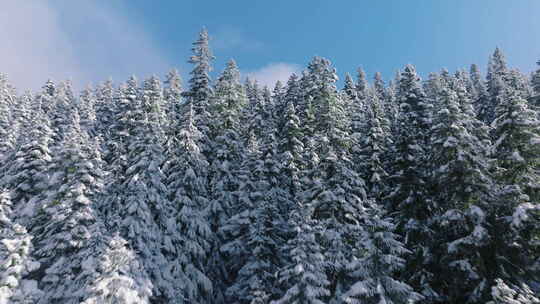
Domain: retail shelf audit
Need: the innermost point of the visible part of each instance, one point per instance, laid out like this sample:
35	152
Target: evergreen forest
222	191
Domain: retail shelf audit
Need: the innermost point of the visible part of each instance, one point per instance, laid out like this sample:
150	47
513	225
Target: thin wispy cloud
271	73
84	41
231	38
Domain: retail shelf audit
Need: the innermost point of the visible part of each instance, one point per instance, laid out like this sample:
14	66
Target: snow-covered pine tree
254	113
362	84
461	181
335	189
379	86
357	108
279	104
116	135
336	198
188	190
409	201
86	107
229	98
258	227
377	267
304	276
16	260
140	202
478	90
60	114
19	117
371	147
8	101
349	90
291	149
459	161
497	78
121	276
516	132
25	171
45	99
172	95
67	228
392	104
200	90
105	110
432	86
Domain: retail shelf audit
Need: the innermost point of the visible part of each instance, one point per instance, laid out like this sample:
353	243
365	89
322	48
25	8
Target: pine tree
478	90
432	86
371	148
67	226
200	91
228	149
257	229
517	144
122	279
461	182
304	275
254	113
497	77
349	88
116	135
376	269
105	108
86	107
16	260
25	172
409	200
291	149
187	182
362	85
379	86
19	117
45	100
7	103
60	113
336	198
173	100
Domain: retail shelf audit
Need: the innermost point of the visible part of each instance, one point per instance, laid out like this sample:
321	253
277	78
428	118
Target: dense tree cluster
225	192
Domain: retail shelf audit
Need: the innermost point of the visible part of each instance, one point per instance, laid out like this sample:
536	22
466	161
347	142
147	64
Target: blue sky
89	41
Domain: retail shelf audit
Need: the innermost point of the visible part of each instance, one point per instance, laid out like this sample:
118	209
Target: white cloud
84	41
271	73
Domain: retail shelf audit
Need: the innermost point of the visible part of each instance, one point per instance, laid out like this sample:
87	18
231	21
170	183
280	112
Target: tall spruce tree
187	182
228	150
137	204
497	77
67	226
105	109
409	201
25	172
461	183
370	151
259	229
172	95
200	90
517	143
